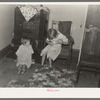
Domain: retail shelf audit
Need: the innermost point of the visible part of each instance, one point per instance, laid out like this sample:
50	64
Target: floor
8	71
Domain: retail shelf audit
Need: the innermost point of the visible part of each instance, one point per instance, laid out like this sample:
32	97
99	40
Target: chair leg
99	83
96	72
69	60
68	63
78	75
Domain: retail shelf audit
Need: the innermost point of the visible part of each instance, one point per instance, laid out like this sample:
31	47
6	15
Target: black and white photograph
49	45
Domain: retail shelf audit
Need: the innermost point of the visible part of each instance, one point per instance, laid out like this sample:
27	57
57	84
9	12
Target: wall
74	13
6	25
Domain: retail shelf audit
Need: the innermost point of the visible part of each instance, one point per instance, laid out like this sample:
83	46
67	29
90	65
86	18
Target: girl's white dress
53	51
24	55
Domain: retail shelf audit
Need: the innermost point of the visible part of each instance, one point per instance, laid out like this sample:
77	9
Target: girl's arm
48	41
18	51
31	49
60	41
64	40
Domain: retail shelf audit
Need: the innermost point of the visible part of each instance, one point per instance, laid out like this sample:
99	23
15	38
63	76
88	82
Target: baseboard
4	51
75	53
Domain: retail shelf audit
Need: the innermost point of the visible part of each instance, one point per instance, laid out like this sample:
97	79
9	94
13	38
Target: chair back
65	27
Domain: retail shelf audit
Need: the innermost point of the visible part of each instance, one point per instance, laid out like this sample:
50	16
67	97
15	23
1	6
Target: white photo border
56	92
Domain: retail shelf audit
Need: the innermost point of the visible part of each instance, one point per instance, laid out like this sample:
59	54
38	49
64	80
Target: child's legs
19	69
51	55
44	53
43	59
50	62
23	68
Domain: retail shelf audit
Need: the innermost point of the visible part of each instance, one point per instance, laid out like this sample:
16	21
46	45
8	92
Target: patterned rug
47	77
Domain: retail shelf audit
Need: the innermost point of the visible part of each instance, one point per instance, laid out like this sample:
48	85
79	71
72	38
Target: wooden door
93	16
91	38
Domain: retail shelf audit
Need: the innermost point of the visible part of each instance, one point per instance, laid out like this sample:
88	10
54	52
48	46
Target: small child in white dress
24	55
54	40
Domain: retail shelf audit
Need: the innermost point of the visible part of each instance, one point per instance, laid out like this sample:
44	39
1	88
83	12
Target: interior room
34	21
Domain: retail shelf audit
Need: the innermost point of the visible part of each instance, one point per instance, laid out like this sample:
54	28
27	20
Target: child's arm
64	40
18	51
31	49
48	41
60	41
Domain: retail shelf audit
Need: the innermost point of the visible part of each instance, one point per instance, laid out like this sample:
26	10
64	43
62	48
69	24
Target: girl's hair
53	32
24	39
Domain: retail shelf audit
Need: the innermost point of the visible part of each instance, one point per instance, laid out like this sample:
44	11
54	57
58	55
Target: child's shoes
33	61
23	69
19	72
19	69
22	72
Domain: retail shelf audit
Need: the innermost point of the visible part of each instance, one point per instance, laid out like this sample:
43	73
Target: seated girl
24	55
54	40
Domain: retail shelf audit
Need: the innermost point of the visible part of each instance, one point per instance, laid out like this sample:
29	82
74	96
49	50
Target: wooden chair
90	52
65	28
